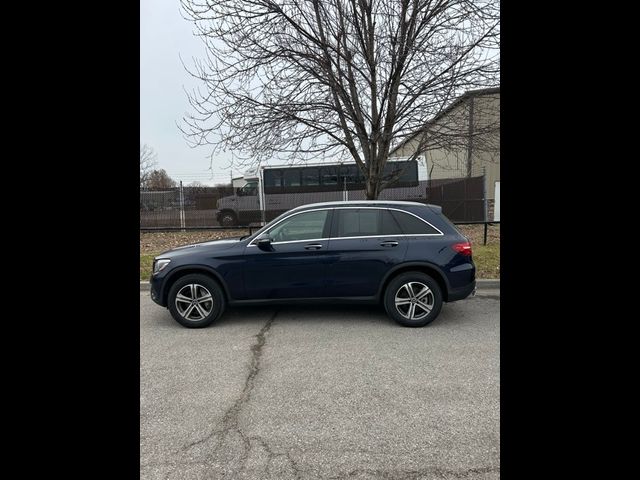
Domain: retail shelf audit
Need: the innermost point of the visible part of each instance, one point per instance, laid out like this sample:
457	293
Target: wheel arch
425	267
180	272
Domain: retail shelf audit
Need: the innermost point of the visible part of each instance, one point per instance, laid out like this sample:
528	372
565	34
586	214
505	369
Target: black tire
400	286
203	285
228	219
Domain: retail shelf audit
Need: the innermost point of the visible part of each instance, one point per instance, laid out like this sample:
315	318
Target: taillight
463	248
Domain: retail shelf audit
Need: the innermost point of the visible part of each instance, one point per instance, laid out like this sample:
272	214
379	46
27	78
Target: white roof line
326	164
351	202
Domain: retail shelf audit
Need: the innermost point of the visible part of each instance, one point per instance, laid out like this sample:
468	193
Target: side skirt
307	301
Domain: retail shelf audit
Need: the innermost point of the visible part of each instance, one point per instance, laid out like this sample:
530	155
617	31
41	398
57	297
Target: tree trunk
373	188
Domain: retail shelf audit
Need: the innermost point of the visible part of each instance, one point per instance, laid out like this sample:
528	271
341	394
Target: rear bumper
462	292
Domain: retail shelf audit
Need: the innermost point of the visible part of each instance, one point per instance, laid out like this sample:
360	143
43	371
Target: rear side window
357	223
412	225
365	222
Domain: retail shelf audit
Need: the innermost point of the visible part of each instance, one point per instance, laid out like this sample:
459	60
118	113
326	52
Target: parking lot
326	392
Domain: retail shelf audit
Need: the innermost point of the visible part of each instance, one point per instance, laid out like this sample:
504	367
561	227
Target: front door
296	265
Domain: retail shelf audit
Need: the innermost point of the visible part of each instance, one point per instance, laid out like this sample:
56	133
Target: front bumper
155	289
462	292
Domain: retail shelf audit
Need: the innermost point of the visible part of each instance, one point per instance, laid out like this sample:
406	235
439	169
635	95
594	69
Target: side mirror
264	243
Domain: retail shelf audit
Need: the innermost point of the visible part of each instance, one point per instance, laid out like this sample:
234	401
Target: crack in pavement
230	422
230	456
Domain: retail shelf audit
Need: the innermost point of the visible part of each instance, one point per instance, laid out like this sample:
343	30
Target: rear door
365	243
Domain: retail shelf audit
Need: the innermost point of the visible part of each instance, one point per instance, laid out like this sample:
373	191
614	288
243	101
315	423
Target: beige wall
448	158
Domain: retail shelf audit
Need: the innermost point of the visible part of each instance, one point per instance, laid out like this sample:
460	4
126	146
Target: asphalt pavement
325	392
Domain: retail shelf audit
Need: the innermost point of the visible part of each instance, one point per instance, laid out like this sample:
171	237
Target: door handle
389	243
313	246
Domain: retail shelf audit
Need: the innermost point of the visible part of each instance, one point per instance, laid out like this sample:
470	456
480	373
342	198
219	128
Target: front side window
303	226
251	188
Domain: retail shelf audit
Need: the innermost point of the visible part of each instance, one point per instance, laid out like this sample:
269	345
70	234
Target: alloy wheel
194	302
414	300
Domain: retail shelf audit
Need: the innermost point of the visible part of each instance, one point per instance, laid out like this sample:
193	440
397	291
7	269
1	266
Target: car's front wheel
196	300
413	299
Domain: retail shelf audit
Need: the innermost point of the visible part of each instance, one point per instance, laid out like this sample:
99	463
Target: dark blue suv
407	256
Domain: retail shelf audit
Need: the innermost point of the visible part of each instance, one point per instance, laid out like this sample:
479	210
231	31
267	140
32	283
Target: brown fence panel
461	199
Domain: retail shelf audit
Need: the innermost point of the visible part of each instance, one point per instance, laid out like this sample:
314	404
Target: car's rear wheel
413	299
196	300
228	219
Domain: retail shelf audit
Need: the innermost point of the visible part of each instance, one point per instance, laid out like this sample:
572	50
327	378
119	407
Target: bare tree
148	161
159	179
317	79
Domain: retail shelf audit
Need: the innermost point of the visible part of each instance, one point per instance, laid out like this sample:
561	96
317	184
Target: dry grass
475	234
156	242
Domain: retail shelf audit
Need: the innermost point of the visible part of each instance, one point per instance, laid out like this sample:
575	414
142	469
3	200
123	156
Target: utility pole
470	144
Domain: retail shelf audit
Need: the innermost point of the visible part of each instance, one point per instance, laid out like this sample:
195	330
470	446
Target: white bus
272	190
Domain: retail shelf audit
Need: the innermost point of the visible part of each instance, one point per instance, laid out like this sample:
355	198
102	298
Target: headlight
159	265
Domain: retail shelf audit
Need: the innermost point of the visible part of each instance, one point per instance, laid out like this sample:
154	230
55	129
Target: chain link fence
462	200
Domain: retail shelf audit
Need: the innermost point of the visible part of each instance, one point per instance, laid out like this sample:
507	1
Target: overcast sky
164	36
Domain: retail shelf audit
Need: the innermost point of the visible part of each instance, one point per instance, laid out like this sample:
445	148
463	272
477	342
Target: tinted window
329	175
358	223
389	224
292	178
411	224
406	171
352	174
310	176
272	178
303	226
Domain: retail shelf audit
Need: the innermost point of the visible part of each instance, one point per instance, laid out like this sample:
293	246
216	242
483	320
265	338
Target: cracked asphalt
325	392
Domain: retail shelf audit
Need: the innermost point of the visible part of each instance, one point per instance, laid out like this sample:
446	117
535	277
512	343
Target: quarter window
412	225
303	226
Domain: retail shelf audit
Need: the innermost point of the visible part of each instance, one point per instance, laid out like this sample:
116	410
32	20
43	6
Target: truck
270	191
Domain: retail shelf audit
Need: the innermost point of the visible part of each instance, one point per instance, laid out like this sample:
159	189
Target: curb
488	283
481	284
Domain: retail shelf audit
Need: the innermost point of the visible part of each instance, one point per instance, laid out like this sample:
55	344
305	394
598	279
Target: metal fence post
484	196
485	232
182	219
262	201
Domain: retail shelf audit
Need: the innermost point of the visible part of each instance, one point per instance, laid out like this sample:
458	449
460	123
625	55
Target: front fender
193	268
